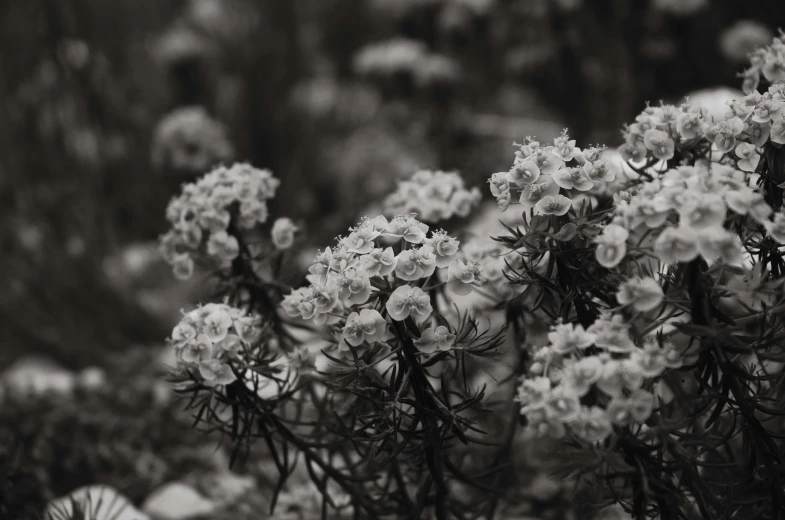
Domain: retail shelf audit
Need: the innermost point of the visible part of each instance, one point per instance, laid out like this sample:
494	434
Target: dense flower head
601	361
201	215
692	211
768	62
434	196
547	179
189	140
207	338
383	272
400	56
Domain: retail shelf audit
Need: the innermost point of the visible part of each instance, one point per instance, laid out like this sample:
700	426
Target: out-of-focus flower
566	337
680	7
643	294
433	196
739	40
282	233
189	140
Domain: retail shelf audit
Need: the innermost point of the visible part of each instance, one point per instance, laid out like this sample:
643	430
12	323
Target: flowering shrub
644	295
664	295
434	196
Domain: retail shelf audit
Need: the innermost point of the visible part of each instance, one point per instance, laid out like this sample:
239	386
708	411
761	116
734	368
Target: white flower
406	301
379	262
567	337
216	325
282	233
553	205
413	264
573	178
216	373
367	326
676	245
444	247
432	339
612	333
611	245
643	294
461	275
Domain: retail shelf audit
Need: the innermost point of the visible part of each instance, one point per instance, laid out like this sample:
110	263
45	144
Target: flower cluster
208	337
398	56
347	281
687	212
549	180
218	344
201	215
433	196
189	140
587	380
767	61
751	121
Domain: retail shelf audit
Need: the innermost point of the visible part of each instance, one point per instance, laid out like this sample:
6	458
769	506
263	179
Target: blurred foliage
129	434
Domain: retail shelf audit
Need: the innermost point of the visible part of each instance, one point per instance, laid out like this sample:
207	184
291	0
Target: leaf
567	232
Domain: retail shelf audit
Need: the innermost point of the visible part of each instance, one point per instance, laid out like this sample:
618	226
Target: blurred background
107	107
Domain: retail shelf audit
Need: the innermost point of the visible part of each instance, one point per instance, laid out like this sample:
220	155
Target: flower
413	264
432	339
435	196
379	262
721	244
748	157
216	373
563	404
566	337
189	140
444	247
610	332
676	245
535	192
197	350
618	375
282	233
592	424
660	144
367	326
650	359
636	408
573	178
611	245
708	211
408	228
643	294
406	301
523	173
461	275
553	205
565	147
217	325
201	215
533	393
581	374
